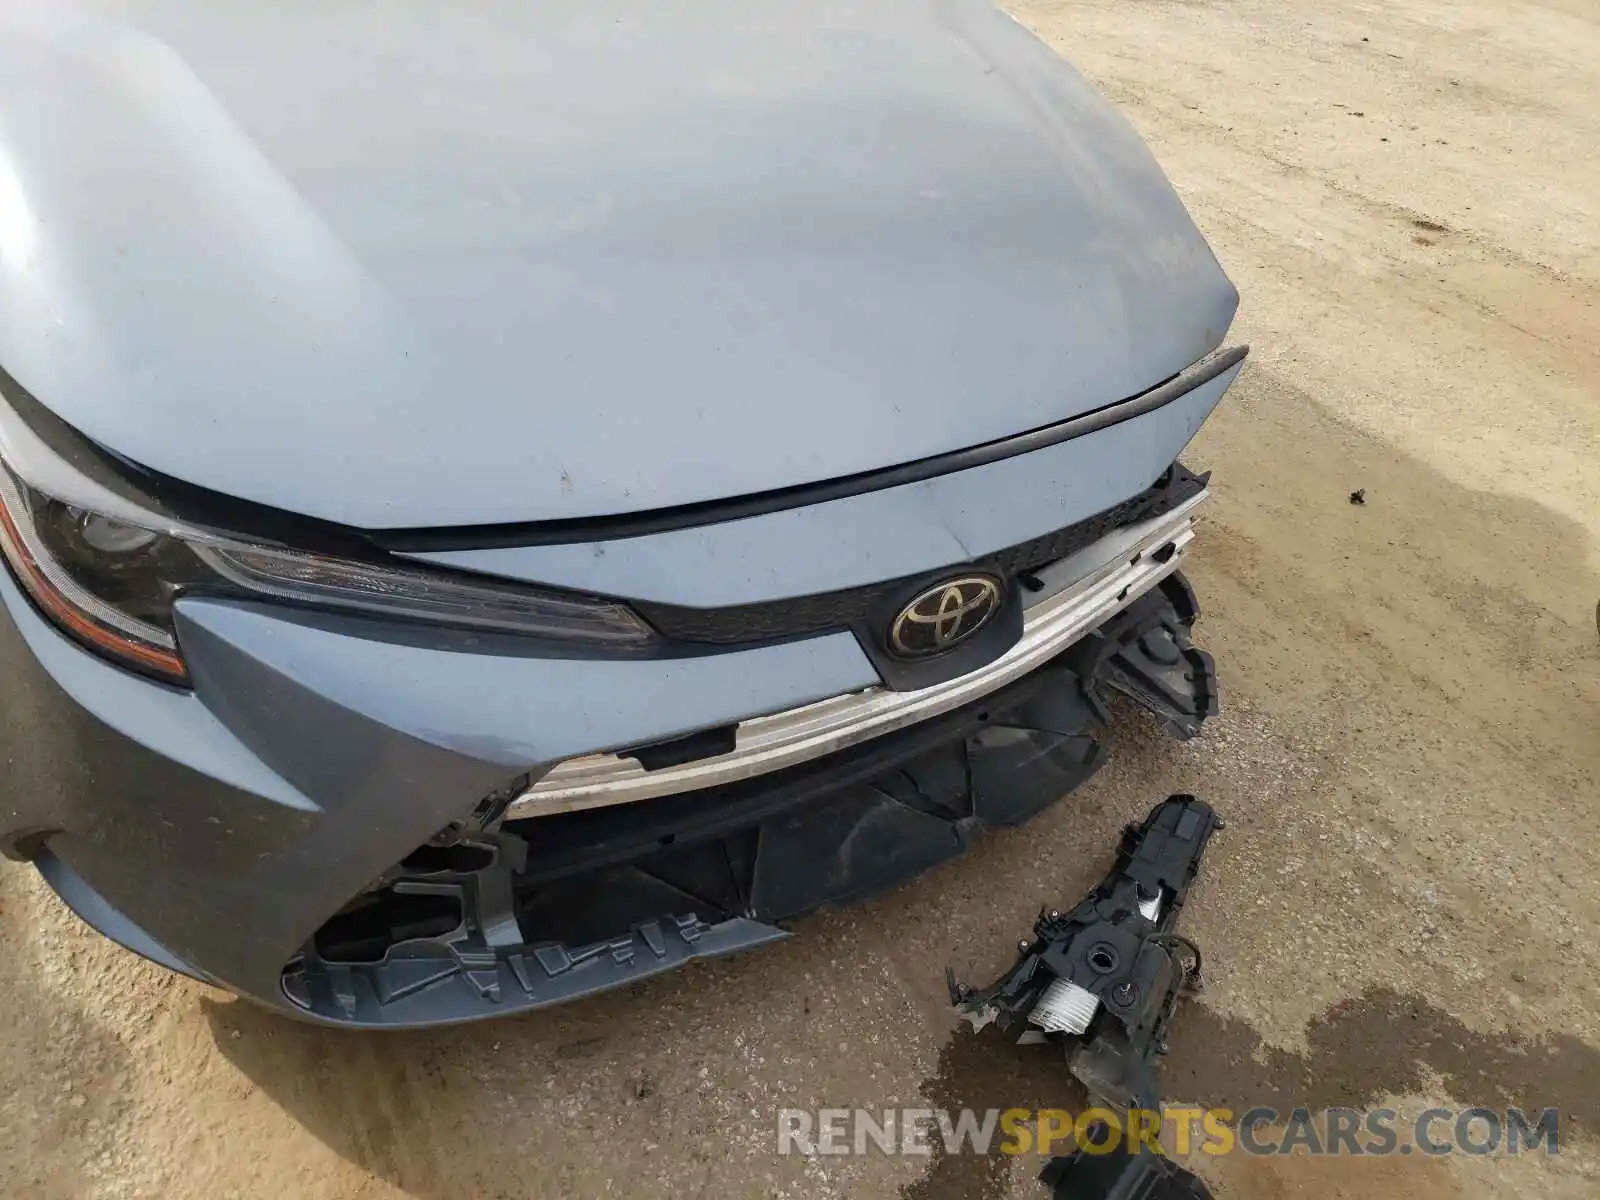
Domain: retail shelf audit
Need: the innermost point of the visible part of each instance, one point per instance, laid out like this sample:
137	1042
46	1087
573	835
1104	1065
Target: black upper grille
852	607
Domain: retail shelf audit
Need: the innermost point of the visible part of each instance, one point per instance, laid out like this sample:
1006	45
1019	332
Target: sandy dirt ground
1404	909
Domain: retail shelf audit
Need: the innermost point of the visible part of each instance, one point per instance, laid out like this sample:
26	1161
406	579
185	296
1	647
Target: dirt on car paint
1402	910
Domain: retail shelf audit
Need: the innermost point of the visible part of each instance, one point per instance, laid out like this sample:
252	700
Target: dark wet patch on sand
1377	1044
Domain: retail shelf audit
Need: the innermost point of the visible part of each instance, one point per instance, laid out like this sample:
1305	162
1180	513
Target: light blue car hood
395	264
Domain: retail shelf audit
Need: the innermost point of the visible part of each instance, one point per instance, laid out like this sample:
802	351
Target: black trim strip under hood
711	512
244	518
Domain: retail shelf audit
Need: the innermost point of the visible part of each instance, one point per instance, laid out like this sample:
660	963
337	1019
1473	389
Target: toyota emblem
944	615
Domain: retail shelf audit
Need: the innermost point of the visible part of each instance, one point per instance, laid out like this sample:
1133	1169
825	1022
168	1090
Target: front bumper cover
159	827
546	909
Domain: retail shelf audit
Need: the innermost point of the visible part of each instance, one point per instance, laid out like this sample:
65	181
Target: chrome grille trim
1096	583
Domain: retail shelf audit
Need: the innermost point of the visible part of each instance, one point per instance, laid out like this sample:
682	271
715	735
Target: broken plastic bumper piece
1120	1174
1110	974
1113	968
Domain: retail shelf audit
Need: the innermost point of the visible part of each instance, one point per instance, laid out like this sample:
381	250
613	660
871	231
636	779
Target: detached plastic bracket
1120	1175
1144	652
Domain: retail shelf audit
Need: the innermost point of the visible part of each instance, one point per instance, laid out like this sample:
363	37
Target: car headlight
107	570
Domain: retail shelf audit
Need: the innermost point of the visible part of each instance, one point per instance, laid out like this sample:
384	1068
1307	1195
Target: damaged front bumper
550	907
597	873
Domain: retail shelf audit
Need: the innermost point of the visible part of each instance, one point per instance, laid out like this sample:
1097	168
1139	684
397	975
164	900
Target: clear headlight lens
423	596
108	574
108	583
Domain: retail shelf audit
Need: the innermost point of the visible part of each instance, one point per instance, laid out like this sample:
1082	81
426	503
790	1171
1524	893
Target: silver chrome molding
1081	592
